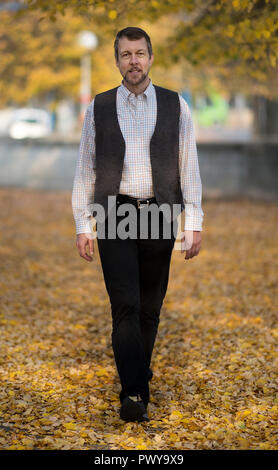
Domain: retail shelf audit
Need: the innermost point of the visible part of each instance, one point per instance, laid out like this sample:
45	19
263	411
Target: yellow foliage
232	45
215	357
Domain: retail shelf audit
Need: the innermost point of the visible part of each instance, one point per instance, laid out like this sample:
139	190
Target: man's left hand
195	247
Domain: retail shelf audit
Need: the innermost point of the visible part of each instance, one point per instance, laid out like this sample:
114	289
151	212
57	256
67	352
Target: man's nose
133	59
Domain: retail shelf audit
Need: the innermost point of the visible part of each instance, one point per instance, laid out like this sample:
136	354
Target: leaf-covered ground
215	358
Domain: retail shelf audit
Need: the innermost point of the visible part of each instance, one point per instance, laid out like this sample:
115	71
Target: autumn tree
230	45
237	38
41	58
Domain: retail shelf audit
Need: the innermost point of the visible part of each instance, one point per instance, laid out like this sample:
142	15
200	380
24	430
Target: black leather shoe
150	374
133	409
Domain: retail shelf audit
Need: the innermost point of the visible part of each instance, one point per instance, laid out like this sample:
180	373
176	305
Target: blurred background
221	56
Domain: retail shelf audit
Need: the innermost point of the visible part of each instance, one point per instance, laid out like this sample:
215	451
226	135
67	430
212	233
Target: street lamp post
88	41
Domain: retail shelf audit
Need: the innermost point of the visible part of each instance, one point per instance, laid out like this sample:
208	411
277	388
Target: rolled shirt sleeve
191	184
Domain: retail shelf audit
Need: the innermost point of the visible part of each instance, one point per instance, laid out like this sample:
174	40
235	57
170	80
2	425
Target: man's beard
140	80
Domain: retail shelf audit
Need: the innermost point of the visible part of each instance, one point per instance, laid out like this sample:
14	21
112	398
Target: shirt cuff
84	227
193	218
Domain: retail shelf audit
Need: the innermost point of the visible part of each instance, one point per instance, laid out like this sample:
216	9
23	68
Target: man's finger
186	240
82	251
188	254
91	246
193	251
84	255
183	244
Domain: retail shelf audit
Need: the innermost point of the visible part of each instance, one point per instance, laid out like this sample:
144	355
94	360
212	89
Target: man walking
138	148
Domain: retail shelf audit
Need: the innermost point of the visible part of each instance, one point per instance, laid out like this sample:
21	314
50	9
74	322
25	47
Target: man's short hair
132	34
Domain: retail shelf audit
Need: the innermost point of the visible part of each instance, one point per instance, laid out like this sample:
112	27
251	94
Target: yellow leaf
175	415
102	372
70	425
89	376
112	14
236	4
245	413
79	327
27	442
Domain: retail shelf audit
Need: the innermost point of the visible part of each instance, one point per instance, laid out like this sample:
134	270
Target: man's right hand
82	240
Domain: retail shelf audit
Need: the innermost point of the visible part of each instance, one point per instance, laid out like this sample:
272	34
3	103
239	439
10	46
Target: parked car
30	123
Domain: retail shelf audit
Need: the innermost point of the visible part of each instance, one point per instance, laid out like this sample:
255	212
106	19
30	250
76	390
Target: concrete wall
227	169
239	169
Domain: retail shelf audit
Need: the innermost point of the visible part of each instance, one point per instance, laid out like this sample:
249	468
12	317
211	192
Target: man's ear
152	59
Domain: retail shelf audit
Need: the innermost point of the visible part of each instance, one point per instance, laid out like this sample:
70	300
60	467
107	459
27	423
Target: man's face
134	61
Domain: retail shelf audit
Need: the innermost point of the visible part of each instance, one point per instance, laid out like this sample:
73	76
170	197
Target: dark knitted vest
164	149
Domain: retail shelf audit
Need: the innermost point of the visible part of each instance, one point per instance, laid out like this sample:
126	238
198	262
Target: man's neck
137	89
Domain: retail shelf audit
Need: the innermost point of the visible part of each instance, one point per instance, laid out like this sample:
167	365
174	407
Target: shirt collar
126	93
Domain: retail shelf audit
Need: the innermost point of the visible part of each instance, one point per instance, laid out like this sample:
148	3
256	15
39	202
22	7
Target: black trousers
136	273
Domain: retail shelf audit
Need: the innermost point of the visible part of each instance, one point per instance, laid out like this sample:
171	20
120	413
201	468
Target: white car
30	122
